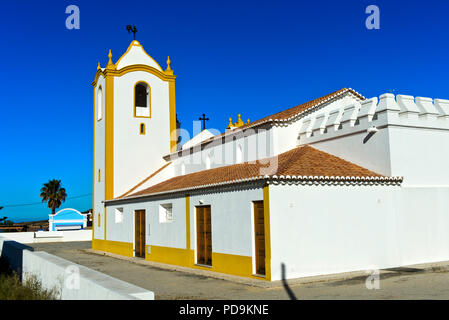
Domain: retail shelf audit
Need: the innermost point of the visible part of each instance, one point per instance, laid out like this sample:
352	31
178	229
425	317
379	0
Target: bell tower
134	126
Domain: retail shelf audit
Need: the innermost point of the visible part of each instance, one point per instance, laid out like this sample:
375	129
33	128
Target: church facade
337	184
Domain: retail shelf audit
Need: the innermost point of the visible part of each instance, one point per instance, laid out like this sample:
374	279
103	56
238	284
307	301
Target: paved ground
403	283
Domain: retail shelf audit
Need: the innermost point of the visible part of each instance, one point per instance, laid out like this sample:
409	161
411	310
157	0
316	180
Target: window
142	100
142	128
118	215
166	213
99	104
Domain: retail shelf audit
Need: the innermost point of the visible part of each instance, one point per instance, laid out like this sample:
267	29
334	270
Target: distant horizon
41	216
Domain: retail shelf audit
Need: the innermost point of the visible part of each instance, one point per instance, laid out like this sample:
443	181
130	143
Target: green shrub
12	288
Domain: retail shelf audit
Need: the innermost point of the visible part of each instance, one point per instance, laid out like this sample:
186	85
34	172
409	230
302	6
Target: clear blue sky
249	57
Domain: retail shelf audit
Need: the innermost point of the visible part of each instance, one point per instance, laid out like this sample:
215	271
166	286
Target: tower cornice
137	67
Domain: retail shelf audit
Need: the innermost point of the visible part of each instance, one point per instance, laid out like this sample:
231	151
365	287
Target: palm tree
54	194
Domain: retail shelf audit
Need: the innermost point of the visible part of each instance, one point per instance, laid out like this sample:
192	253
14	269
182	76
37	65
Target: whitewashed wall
286	136
99	163
172	234
136	155
317	230
123	231
163	175
374	154
231	216
420	155
410	137
137	55
254	143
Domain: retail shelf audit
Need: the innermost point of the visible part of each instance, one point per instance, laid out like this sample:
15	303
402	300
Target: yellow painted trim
105	216
99	175
223	263
172	107
142	132
133	44
121	248
176	256
188	222
233	264
133	68
109	143
266	209
134	99
126	52
99	220
97	76
93	174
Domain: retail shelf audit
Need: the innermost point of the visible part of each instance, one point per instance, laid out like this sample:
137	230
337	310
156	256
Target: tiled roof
304	161
291	112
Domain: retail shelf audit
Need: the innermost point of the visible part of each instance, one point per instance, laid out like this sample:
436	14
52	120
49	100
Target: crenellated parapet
373	114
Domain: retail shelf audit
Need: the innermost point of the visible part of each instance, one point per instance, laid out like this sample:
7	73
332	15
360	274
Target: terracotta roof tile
288	113
301	161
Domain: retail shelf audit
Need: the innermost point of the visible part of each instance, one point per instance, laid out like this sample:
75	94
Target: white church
337	184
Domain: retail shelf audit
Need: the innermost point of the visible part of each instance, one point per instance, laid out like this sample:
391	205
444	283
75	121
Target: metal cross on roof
204	119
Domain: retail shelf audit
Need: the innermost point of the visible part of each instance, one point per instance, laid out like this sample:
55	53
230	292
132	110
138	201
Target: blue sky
250	57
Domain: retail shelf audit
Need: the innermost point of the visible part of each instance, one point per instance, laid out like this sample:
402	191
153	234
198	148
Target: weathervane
132	29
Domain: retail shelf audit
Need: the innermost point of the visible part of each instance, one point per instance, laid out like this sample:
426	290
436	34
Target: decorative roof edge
276	180
307	111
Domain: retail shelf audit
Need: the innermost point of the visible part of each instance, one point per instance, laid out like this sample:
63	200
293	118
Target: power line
36	203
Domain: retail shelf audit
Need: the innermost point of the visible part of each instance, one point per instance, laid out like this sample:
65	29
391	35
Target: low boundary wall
70	280
48	236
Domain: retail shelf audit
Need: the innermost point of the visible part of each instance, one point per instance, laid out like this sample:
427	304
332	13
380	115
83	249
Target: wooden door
204	235
259	232
139	233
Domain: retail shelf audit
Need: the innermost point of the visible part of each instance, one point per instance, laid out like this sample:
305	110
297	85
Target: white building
341	183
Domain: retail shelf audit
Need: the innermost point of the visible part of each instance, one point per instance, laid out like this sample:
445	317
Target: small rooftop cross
132	29
204	119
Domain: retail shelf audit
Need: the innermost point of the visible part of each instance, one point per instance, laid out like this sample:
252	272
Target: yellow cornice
137	67
97	75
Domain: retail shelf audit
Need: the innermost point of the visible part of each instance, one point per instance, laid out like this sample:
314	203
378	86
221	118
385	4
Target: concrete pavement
430	281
